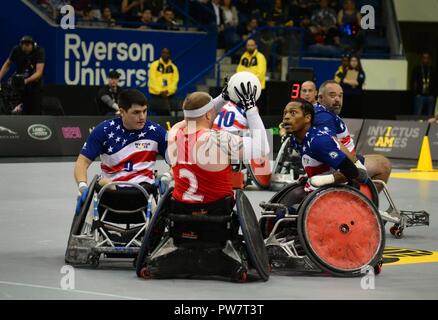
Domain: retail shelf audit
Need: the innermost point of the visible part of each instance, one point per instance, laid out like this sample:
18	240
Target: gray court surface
37	201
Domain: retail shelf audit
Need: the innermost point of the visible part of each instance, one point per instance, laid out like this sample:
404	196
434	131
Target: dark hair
27	39
307	108
129	97
359	64
113	74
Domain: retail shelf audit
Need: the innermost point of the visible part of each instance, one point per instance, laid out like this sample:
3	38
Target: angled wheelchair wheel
260	172
255	246
341	230
154	232
78	220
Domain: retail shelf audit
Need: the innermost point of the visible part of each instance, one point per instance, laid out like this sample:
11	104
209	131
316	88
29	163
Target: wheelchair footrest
415	218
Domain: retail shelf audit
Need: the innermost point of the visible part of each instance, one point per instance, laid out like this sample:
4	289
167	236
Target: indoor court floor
37	201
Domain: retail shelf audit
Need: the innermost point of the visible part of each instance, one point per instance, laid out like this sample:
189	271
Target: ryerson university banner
394	139
89	55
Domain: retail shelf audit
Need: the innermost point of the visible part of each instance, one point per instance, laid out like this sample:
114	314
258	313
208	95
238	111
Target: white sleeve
219	102
255	145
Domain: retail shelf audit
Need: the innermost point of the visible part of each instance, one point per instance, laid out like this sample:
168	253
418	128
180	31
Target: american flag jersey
126	155
231	118
319	152
328	121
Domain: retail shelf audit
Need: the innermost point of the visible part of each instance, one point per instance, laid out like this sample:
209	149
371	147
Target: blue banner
84	56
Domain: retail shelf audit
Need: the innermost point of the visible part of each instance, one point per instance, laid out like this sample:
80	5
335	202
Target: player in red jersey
201	157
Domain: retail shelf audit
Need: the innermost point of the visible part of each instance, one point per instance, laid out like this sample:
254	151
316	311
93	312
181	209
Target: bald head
308	92
331	96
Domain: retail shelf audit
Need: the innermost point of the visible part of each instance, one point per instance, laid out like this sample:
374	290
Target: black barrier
29	136
433	141
26	136
393	139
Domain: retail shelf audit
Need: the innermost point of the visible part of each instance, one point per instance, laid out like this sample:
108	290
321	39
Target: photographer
29	60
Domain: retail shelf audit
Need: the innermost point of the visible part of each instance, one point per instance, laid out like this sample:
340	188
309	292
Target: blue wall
84	56
324	69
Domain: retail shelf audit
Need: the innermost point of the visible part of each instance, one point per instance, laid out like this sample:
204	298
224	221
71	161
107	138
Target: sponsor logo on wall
387	138
8	134
71	133
394	139
39	132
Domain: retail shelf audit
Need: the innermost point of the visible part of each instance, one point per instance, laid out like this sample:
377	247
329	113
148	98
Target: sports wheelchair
110	224
287	166
257	172
203	241
336	230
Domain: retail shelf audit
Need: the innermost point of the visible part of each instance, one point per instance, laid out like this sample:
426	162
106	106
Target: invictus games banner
433	141
393	139
354	126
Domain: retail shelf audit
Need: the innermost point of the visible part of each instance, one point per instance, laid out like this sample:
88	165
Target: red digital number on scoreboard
295	93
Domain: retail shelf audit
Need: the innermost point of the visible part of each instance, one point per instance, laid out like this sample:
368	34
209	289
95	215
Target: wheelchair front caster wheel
145	273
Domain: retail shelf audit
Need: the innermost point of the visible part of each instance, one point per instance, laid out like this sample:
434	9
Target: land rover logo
39	132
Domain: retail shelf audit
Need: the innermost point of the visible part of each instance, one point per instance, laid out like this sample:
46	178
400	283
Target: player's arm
37	75
81	166
328	151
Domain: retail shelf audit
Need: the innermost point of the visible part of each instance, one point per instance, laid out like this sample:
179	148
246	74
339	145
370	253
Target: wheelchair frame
86	247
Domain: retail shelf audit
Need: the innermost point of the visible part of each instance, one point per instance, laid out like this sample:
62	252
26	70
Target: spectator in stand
424	85
249	28
218	20
132	10
167	21
324	30
147	19
87	18
352	82
107	18
163	82
342	69
348	20
270	42
156	6
246	10
279	12
231	22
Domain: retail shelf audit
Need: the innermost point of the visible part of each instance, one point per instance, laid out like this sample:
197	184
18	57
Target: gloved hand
247	95
322	180
363	174
81	200
225	95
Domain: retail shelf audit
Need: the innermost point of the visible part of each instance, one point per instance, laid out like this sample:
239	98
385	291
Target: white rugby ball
243	77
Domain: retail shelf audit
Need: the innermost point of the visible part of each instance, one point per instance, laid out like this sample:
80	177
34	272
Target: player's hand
247	95
363	174
322	180
81	199
225	95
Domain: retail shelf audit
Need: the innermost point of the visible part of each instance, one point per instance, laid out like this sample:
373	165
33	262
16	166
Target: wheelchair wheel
151	238
369	189
341	230
78	220
262	181
255	246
